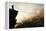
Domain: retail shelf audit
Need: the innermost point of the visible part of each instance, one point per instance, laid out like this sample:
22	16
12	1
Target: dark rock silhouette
12	15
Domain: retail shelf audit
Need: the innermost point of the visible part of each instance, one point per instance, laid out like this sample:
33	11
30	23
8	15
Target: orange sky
27	11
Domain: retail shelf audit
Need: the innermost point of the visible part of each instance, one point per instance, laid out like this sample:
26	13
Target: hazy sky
27	10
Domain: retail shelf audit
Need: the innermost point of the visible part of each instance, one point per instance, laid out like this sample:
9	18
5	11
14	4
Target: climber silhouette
12	15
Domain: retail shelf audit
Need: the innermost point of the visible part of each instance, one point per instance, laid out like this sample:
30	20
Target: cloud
28	11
